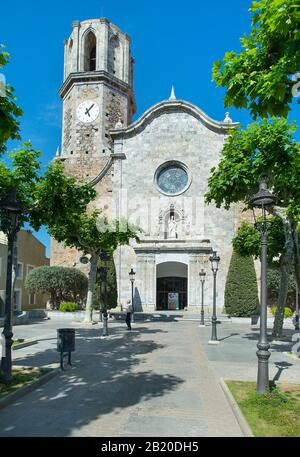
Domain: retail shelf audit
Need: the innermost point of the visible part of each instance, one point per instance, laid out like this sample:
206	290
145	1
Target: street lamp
105	258
260	202
132	279
214	260
202	275
10	209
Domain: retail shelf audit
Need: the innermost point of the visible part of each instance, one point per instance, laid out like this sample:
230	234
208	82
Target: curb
24	344
11	398
292	356
244	426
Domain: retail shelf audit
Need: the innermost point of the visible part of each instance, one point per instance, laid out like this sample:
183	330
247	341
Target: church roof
172	106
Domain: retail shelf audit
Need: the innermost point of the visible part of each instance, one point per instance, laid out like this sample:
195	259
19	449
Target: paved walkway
154	381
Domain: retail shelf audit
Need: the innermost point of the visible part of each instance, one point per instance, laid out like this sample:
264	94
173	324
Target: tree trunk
283	291
91	285
296	253
286	262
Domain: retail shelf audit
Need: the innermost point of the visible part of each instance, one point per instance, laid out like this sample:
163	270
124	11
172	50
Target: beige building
31	254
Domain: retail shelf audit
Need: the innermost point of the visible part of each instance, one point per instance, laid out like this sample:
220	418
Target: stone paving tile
155	381
165	426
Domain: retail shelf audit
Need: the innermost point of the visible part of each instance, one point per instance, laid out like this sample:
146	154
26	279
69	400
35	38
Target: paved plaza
161	379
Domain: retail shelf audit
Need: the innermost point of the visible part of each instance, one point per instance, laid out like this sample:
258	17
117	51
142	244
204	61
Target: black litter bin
65	343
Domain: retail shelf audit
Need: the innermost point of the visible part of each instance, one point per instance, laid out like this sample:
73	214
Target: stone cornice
172	106
161	249
95	77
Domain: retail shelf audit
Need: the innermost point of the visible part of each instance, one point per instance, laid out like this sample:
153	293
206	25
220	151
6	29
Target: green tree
259	76
274	283
48	198
9	111
92	234
264	149
241	293
60	283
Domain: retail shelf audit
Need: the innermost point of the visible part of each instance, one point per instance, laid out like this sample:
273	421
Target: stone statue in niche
172	228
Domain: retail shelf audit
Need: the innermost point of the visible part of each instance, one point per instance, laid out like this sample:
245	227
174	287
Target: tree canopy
48	198
9	110
259	77
61	283
264	149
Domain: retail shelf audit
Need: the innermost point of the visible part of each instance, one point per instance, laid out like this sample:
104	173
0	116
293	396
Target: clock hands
87	111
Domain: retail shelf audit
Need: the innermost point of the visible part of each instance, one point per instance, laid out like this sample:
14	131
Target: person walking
128	309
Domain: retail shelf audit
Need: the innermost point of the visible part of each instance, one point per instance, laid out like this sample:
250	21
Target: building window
90	51
30	268
18	299
31	299
172	178
20	270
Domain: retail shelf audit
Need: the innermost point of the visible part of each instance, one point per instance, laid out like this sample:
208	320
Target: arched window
90	52
113	54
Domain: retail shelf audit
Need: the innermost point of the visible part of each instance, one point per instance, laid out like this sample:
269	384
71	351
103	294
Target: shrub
287	311
241	293
274	284
68	307
61	283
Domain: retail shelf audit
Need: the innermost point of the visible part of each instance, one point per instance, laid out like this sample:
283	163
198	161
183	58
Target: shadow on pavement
106	377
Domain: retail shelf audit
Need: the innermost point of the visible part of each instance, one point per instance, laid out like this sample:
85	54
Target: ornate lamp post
202	275
259	202
10	209
105	258
132	279
214	260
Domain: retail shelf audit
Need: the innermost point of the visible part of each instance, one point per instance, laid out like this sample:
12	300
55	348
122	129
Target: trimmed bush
61	283
241	293
68	307
287	311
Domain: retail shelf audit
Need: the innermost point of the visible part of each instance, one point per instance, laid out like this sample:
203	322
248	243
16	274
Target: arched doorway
171	286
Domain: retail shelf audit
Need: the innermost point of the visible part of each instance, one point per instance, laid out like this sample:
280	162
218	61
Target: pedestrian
128	309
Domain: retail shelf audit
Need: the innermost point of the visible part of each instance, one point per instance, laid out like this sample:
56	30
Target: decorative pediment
172	106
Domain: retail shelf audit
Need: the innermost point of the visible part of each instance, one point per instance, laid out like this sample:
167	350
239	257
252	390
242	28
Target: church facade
153	171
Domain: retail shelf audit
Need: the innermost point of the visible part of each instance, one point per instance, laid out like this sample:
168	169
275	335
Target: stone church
153	171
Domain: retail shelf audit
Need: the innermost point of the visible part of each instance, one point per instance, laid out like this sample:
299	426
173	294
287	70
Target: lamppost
214	260
105	258
132	279
202	275
10	209
261	201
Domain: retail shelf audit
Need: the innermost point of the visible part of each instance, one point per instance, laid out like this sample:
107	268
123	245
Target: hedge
241	292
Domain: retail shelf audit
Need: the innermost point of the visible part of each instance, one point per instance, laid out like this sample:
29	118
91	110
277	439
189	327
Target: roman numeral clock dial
87	111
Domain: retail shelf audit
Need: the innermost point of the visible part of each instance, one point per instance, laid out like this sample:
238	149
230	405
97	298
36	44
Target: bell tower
97	94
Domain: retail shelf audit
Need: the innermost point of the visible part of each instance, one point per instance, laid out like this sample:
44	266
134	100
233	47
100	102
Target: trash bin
65	343
66	340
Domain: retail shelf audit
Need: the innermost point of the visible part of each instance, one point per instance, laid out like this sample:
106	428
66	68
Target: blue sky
173	42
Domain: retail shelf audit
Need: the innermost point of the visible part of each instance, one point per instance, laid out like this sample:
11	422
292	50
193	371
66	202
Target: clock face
88	111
